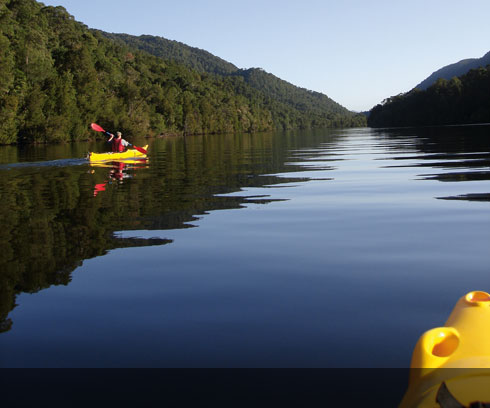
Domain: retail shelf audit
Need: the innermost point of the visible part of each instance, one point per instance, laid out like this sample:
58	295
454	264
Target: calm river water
332	248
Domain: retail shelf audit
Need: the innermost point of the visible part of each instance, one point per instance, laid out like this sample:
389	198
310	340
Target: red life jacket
117	145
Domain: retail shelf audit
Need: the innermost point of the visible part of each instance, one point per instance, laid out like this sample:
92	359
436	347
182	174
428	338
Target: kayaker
118	143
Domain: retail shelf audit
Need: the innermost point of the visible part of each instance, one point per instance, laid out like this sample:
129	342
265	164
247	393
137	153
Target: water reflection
118	171
59	216
462	148
51	227
468	197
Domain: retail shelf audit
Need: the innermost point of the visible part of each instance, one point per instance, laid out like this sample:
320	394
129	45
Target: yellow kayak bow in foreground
451	365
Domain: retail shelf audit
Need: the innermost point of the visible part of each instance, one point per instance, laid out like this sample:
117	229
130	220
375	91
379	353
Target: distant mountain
455	70
300	99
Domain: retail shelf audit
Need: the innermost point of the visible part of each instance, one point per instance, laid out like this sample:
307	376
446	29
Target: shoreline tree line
460	100
57	76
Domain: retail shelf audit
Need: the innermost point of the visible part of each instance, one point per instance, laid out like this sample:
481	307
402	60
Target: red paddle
98	128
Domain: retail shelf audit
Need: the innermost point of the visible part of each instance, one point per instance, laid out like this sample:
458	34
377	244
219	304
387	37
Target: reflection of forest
447	154
52	221
442	140
52	225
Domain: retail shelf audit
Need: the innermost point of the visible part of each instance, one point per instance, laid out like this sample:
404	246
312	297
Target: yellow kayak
109	156
451	364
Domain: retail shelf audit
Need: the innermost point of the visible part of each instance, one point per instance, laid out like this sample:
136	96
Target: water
332	248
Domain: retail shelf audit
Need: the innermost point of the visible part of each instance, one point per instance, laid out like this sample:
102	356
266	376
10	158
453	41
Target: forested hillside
464	99
57	76
195	58
454	70
294	97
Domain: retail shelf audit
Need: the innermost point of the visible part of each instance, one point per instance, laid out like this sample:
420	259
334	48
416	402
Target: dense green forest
57	76
464	99
303	100
191	57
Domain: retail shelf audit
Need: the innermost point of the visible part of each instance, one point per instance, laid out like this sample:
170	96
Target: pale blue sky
356	52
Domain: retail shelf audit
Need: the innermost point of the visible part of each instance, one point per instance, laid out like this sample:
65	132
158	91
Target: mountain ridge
201	60
204	61
460	100
454	70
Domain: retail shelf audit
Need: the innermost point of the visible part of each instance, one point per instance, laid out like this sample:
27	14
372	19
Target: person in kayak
118	143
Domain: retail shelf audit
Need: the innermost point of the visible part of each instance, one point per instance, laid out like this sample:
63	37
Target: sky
358	52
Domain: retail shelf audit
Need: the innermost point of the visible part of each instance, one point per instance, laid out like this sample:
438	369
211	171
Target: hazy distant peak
456	69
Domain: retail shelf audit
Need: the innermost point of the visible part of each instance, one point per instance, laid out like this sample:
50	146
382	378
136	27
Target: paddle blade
96	127
98	188
140	149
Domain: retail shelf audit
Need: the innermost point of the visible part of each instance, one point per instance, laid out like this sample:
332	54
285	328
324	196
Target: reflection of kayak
451	364
135	162
128	154
118	169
